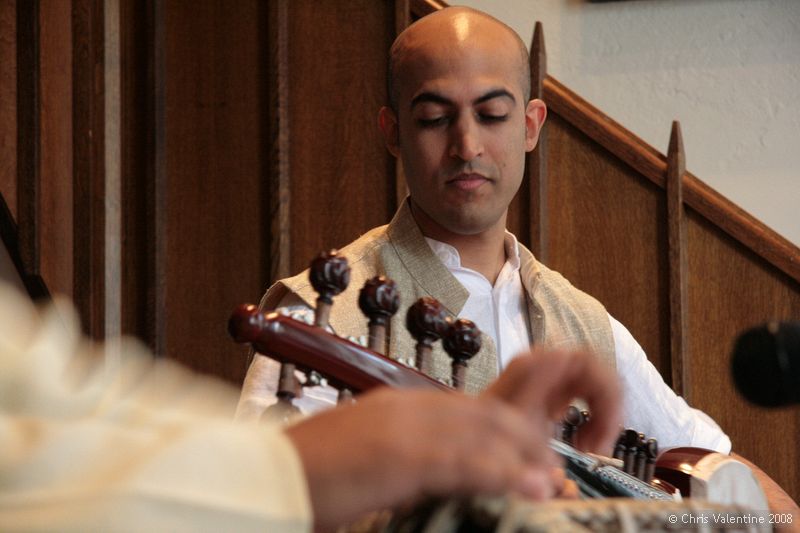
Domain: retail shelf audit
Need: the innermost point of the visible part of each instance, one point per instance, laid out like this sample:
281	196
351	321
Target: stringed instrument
354	369
347	365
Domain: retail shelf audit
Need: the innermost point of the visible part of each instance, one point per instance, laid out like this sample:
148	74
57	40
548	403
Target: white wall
729	70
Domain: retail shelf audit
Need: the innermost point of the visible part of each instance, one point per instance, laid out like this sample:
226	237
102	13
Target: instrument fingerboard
596	480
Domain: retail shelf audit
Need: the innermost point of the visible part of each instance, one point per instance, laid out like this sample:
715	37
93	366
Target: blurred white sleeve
142	446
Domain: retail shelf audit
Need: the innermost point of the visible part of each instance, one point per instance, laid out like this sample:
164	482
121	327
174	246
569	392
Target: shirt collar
450	257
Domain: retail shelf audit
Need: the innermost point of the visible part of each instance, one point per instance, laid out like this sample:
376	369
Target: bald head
461	122
453	31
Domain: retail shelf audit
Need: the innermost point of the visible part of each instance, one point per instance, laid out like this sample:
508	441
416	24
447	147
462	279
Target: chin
466	225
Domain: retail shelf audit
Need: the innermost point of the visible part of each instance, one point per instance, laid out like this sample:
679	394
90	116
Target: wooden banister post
537	161
28	137
89	166
280	177
678	291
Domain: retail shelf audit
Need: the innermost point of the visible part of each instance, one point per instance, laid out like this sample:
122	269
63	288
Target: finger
558	478
599	387
571	491
583	376
547	381
565	488
536	484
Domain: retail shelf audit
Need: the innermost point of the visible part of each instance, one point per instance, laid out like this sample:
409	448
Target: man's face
463	131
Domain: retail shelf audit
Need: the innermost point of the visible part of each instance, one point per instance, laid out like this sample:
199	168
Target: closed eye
493	118
432	122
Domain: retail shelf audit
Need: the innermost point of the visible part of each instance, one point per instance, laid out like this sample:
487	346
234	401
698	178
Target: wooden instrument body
712	476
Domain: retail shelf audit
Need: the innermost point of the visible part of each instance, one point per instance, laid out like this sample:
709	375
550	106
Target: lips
467	182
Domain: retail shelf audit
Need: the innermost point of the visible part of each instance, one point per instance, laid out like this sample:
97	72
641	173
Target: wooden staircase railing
650	163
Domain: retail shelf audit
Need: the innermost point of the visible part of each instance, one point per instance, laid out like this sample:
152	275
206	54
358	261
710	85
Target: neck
482	252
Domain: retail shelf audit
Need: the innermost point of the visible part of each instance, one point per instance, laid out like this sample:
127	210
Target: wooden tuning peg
641	457
345	397
427	322
244	325
329	274
631	445
651	450
379	301
461	342
572	419
284	411
619	447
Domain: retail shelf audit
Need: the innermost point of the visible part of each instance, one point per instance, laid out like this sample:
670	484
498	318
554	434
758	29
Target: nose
465	140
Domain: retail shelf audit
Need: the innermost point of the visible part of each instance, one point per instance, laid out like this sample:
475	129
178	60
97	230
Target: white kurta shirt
651	407
500	311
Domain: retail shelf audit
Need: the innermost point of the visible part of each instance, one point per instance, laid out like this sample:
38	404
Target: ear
535	114
387	122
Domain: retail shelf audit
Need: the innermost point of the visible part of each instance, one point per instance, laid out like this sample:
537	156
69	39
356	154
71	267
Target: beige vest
560	315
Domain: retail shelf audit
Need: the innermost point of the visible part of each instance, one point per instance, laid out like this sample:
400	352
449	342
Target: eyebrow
436	98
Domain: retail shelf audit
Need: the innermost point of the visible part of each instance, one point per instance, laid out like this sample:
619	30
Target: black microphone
766	364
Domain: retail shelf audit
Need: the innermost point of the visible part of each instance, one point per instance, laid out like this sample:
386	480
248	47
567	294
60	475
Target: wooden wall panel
210	91
214	149
730	290
55	220
607	235
338	164
8	104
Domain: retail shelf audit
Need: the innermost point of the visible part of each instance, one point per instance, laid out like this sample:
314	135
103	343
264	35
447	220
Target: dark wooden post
88	164
678	299
279	176
537	161
28	140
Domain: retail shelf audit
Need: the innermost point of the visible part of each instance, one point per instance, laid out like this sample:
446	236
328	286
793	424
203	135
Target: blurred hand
542	384
396	447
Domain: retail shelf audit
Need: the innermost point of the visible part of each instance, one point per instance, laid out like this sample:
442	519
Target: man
460	120
150	447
